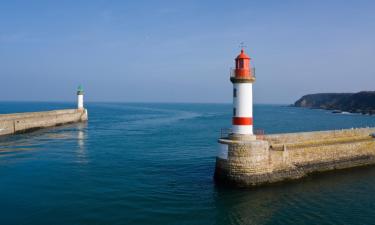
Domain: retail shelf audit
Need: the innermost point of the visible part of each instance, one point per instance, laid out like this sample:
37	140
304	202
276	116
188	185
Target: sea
153	163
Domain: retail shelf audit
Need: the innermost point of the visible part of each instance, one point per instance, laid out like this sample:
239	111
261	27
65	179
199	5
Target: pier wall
292	156
22	122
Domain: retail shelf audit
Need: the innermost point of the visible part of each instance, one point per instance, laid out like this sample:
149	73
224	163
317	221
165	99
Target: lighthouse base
242	161
227	177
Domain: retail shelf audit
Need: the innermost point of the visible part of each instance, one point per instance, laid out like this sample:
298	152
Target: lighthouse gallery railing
232	72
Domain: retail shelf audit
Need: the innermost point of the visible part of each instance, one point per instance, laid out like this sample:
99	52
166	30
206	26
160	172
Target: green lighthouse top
80	90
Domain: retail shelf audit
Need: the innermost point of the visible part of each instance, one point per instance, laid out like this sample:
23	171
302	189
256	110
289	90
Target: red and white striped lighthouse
242	78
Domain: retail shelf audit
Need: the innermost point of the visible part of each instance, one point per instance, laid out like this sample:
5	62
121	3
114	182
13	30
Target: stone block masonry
291	156
23	122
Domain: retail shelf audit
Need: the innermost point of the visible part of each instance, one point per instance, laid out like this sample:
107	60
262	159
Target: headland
362	102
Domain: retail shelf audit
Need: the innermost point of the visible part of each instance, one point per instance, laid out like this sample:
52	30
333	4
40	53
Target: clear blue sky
181	51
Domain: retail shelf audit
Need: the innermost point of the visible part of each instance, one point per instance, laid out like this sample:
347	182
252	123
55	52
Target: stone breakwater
281	157
23	122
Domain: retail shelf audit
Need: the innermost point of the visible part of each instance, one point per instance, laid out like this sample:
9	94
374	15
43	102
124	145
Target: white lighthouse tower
242	78
80	98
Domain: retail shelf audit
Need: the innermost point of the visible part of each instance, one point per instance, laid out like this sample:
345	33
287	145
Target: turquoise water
153	164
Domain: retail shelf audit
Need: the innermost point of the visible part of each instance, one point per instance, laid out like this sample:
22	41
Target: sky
182	51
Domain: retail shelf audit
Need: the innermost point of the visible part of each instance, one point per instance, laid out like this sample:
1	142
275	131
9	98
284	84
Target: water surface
153	164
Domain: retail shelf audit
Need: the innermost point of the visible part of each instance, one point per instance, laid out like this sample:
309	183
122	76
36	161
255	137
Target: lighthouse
242	158
242	78
80	98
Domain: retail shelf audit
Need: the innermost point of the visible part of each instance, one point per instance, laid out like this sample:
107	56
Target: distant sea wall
23	122
292	156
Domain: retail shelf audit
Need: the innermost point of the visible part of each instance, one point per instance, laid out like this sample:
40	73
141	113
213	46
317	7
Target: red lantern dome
243	69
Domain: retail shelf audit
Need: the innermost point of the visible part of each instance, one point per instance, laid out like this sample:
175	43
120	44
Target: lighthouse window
234	92
234	111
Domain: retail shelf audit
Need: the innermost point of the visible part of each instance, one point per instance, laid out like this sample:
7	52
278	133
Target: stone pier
23	122
282	157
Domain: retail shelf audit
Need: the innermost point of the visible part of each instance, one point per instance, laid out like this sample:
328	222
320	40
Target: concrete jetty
279	157
22	122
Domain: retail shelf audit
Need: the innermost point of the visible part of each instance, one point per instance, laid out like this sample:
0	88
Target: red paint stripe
242	121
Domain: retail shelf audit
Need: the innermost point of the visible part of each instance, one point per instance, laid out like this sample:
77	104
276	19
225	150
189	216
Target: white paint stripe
244	100
242	129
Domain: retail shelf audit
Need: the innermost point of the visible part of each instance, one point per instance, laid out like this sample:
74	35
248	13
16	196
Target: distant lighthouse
80	98
242	78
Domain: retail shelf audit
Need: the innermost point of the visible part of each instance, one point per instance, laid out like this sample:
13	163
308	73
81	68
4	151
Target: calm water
153	164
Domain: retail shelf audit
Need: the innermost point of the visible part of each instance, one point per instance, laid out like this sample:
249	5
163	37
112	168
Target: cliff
361	102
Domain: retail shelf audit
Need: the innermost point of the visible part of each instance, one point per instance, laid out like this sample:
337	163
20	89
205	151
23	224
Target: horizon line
148	102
